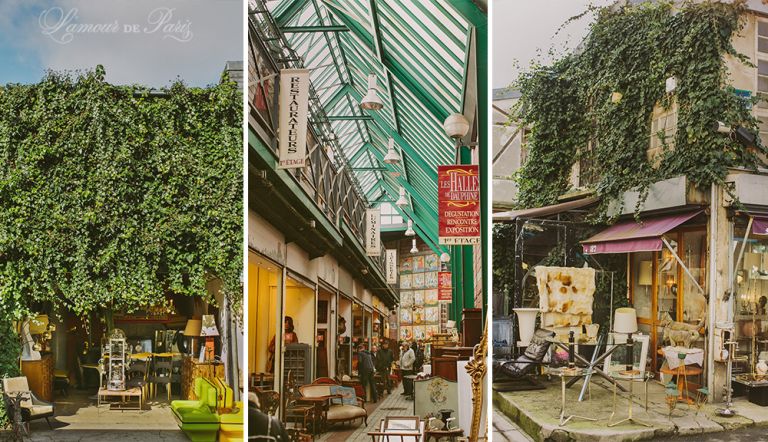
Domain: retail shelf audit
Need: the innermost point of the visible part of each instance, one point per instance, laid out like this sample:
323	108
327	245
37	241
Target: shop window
663	131
694	255
642	279
264	283
344	332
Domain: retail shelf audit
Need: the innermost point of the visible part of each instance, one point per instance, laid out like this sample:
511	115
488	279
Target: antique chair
525	366
137	376
162	369
400	429
340	407
31	407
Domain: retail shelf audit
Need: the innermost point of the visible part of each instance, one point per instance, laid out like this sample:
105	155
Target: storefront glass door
264	286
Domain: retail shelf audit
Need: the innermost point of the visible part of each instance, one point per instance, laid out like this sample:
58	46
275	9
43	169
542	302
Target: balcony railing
334	189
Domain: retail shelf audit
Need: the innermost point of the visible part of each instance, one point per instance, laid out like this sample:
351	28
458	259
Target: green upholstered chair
198	418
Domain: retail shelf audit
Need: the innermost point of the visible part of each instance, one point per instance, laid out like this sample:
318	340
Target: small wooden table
320	404
682	372
123	395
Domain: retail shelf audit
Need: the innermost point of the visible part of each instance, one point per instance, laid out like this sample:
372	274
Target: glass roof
418	51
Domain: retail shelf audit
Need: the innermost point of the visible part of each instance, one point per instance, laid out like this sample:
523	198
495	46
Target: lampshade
209	326
414	249
445	257
645	275
625	320
193	328
391	157
402	201
371	101
450	324
409	231
456	126
38	325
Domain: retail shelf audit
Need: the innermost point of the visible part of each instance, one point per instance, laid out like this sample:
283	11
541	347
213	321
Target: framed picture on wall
405	281
418	298
418	264
430	279
420	332
406	265
431	315
406	333
431	263
418	280
616	361
432	329
430	297
405	316
322	311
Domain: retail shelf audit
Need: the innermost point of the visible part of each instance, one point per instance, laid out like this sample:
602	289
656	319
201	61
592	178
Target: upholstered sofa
340	407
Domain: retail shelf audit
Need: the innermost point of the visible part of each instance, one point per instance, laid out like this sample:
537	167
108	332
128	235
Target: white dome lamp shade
445	257
402	201
391	157
409	231
456	126
371	101
414	249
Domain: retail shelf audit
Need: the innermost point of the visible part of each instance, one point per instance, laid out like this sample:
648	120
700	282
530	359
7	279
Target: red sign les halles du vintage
458	194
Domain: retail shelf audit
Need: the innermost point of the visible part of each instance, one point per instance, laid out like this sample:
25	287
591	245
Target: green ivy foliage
9	359
113	197
632	50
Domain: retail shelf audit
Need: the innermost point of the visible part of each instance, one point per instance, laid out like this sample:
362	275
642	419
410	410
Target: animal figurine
680	333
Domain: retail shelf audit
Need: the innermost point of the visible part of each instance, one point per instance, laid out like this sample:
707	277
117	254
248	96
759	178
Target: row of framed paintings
417	332
418	280
419	264
418	298
420	315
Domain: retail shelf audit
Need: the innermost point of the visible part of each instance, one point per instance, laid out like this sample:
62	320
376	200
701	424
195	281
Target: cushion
40	410
315	390
518	367
345	412
539	344
196	415
347	394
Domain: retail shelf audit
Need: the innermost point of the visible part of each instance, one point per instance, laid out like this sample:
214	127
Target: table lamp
625	321
209	331
192	332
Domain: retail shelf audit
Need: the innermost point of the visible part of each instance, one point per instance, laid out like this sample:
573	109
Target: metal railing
327	179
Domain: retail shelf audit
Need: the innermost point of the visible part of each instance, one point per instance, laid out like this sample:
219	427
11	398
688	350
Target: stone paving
537	413
504	430
394	404
78	419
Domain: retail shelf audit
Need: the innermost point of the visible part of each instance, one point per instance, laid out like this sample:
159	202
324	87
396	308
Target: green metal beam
368	169
389	131
290	11
392	65
310	29
338	95
349	118
417	222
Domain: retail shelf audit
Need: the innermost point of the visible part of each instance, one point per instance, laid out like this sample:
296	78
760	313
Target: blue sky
149	42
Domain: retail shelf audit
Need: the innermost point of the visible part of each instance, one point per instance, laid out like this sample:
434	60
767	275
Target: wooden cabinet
40	376
191	368
472	326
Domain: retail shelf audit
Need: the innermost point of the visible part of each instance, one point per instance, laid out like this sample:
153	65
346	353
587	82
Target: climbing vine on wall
114	197
632	50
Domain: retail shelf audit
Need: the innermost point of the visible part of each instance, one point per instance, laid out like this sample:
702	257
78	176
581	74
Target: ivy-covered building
656	124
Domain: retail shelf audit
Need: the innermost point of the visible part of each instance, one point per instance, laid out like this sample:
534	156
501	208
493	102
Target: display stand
116	365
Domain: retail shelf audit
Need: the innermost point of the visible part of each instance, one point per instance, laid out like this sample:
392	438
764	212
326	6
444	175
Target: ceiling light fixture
371	101
392	157
402	201
410	231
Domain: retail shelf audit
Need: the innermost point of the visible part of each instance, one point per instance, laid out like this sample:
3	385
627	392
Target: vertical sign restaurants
391	266
294	103
372	232
458	188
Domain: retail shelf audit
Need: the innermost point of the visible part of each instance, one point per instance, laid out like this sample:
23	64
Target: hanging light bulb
409	231
392	157
414	249
445	257
371	101
402	201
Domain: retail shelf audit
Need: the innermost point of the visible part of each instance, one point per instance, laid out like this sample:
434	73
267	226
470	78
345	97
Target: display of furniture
209	331
31	407
442	435
230	413
40	376
563	374
631	378
592	366
756	391
320	394
61	382
137	376
525	366
435	395
399	428
126	398
191	369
